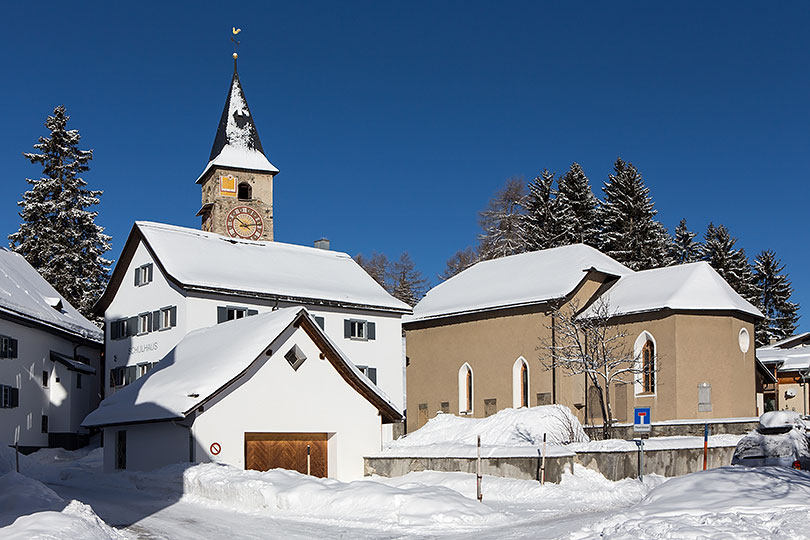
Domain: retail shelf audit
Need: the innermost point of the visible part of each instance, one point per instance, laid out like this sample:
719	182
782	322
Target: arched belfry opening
245	192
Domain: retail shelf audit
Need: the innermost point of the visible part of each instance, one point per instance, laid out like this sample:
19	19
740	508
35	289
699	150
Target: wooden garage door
265	451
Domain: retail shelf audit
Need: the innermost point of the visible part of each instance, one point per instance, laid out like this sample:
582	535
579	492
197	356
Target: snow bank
654	443
728	502
508	427
7	458
45	515
287	492
583	490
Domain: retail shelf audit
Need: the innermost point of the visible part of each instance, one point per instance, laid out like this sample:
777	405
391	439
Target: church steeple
237	183
237	143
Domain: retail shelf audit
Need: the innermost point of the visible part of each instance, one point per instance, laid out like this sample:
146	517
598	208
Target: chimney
323	243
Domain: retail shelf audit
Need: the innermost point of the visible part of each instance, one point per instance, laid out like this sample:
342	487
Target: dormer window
245	192
143	274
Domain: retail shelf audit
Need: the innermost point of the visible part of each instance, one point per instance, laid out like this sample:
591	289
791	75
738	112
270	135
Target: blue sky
393	123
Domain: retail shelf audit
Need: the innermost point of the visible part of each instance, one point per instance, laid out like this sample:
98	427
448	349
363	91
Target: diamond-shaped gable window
295	357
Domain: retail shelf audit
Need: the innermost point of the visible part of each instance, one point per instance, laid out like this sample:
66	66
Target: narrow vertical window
121	450
465	389
648	367
524	385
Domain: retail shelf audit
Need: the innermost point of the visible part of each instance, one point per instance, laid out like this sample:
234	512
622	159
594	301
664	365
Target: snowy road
146	517
211	502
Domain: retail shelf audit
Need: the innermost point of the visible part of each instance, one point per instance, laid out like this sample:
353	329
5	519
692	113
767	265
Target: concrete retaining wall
612	465
618	465
523	468
625	431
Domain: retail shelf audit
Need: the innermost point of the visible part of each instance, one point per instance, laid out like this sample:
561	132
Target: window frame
466	390
144	323
362	328
646	376
144	274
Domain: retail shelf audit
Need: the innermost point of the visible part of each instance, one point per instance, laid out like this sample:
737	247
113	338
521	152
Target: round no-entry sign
215	448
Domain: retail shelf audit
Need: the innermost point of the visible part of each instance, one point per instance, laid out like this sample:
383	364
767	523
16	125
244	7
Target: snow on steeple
237	141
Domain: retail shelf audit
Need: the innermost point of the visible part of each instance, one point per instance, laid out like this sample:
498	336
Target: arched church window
245	192
465	389
648	366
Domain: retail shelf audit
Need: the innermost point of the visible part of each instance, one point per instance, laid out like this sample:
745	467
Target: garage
265	451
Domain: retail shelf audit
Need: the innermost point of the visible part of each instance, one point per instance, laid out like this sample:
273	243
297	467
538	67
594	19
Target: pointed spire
237	141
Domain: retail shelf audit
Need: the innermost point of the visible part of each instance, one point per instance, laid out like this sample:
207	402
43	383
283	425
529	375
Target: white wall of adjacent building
61	401
271	397
199	310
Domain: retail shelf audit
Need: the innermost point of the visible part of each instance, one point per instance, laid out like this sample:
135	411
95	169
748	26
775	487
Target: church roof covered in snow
209	262
237	143
695	286
517	280
25	294
208	360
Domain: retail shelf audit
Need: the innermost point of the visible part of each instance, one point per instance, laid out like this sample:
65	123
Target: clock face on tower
244	222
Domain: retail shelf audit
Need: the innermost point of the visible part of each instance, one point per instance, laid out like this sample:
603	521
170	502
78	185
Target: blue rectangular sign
641	418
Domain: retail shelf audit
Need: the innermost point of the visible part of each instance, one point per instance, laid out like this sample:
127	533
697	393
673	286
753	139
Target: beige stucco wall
262	199
490	344
691	348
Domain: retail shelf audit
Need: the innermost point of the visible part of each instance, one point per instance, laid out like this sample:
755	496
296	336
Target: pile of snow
290	493
7	459
523	427
655	443
583	490
728	502
30	510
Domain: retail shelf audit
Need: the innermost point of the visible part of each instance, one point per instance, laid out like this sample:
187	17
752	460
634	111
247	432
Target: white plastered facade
271	397
199	310
63	403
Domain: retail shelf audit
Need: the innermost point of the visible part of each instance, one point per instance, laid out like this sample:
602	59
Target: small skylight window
295	357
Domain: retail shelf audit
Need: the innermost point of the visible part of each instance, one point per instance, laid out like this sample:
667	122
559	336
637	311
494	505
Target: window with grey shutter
319	321
15	397
252	312
143	274
156	321
371	330
371	373
173	316
132	326
131	374
44	423
222	314
347	328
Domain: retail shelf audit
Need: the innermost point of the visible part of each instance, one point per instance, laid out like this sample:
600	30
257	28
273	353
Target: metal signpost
641	424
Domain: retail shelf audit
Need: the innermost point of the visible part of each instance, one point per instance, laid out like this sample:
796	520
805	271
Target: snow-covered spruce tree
407	283
460	261
774	291
540	222
630	234
684	248
58	235
502	222
731	263
576	209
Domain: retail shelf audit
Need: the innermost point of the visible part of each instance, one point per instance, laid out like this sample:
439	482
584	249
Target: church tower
237	183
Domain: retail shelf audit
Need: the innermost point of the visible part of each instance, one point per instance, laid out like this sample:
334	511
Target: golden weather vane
235	32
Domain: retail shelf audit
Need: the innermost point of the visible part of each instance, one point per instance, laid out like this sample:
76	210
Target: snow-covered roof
792	341
694	286
237	143
209	261
795	359
71	364
194	370
26	294
524	279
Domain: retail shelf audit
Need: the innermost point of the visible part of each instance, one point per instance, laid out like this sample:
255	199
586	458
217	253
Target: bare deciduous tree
593	346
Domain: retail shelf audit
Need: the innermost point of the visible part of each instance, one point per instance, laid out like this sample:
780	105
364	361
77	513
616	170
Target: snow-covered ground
64	495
